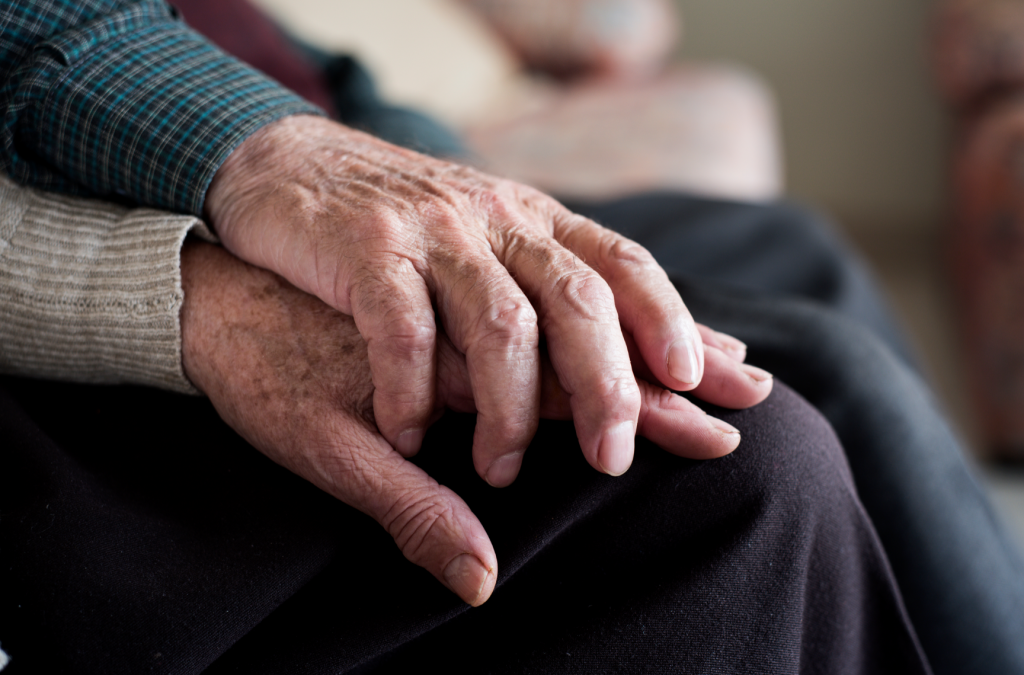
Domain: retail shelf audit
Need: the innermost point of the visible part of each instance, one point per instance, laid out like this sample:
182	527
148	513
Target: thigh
960	573
139	534
777	249
761	562
144	535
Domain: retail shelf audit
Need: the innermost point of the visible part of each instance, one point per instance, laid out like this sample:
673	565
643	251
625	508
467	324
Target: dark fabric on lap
137	551
777	249
960	570
961	574
758	563
139	534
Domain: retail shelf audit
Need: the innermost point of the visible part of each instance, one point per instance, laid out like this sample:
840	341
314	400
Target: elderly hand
386	235
291	376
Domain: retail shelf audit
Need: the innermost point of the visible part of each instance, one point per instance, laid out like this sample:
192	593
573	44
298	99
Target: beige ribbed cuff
91	291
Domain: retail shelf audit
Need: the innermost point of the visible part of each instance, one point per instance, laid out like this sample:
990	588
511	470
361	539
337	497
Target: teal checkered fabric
120	99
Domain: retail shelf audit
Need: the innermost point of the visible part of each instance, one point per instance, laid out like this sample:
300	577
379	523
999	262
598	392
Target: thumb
433	526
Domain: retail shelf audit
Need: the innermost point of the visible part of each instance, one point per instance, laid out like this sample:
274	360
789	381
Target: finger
455	392
392	310
640	368
733	348
490	320
433	526
667	419
648	304
678	426
585	345
728	383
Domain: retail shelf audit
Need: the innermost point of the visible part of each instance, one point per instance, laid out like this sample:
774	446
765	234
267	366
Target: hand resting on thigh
292	376
406	243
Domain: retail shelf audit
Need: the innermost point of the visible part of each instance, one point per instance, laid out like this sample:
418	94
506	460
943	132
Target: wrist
258	162
198	262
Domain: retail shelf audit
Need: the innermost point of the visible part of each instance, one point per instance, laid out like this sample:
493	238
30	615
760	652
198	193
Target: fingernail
682	361
503	471
467	576
615	454
756	374
409	442
731	344
724	427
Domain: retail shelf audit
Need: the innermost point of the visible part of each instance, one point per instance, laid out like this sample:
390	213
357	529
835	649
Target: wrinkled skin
292	376
408	244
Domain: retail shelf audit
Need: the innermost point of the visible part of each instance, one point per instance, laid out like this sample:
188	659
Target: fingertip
731	384
756	374
404	423
615	452
729	435
409	442
682	362
470	579
733	348
503	471
680	427
499	447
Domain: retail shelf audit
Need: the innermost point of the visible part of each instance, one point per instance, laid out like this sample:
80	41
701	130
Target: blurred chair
978	58
608	115
577	97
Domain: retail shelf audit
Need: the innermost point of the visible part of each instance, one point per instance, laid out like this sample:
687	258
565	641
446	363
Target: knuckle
443	213
415	520
390	316
407	335
490	199
522	243
511	201
379	229
537	201
617	256
618	391
586	293
622	251
665	399
383	282
524	193
571	227
509	321
382	221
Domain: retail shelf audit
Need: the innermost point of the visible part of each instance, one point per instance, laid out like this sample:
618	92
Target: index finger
648	303
433	526
577	316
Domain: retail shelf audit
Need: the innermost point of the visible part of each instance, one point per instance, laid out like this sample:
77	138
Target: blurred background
835	106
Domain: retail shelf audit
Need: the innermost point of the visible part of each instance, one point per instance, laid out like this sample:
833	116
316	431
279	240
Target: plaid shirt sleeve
120	99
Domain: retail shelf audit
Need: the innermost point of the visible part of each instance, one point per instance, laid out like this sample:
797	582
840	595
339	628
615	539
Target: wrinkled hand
291	376
385	235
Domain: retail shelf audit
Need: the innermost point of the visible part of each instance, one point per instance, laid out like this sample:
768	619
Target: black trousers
139	534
